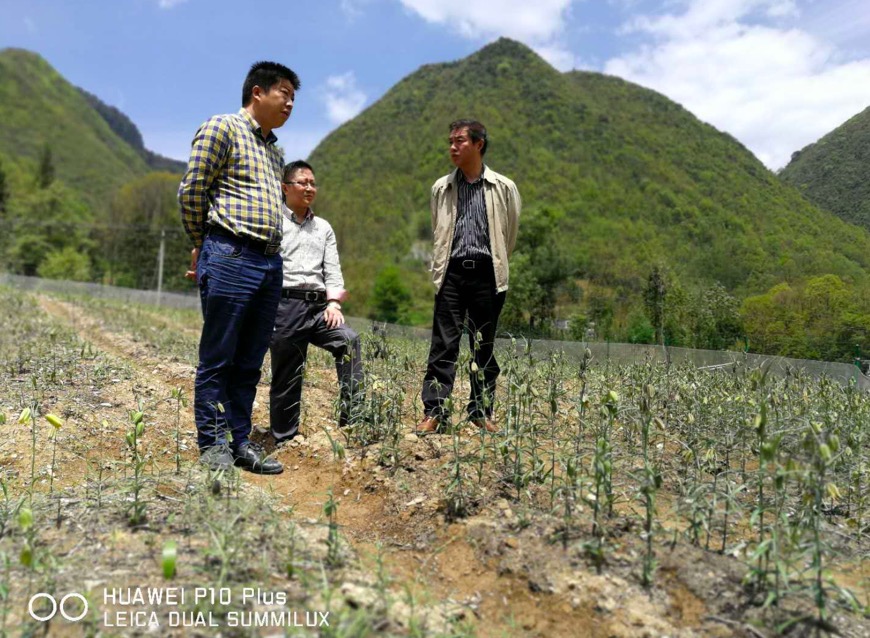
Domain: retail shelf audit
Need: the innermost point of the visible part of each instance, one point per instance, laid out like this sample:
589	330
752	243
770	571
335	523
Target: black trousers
299	323
467	300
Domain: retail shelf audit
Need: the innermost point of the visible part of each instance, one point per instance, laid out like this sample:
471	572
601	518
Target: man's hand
191	272
333	317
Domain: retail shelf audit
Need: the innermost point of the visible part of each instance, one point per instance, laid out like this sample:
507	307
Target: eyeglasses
311	185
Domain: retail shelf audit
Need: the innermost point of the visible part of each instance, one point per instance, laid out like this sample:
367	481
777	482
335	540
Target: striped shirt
310	255
471	233
233	180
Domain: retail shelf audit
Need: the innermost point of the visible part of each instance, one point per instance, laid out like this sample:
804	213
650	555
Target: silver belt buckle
311	295
468	264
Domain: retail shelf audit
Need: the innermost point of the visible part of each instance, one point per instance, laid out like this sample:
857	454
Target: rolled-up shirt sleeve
207	155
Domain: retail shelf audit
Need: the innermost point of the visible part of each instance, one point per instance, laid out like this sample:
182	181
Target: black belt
258	245
471	264
307	295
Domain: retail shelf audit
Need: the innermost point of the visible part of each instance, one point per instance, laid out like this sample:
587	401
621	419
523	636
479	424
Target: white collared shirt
310	254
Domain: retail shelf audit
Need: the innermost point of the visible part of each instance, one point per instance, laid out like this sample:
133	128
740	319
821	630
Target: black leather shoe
252	457
217	458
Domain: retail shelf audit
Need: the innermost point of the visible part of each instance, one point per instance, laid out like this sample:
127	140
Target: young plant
180	402
333	540
650	482
136	510
29	414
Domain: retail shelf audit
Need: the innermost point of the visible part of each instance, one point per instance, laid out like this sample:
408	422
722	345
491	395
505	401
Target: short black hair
266	75
476	131
292	167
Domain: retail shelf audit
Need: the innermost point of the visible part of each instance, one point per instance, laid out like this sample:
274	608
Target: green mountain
635	181
41	110
80	195
834	173
124	127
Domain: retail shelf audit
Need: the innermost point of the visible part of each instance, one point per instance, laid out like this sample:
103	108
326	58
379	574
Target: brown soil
506	570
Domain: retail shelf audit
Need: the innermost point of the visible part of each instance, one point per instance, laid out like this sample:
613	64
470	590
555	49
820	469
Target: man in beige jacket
475	213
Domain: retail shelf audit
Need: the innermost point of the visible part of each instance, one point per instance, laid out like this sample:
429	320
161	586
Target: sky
775	74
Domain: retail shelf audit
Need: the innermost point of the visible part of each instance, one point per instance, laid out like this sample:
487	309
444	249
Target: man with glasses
310	309
475	213
230	200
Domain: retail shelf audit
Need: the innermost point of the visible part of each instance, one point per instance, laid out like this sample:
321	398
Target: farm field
623	501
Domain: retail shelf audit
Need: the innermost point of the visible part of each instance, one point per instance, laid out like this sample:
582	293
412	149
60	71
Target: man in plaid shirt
231	208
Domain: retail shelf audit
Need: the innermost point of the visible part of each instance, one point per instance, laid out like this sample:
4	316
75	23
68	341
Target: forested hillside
640	222
79	198
40	111
124	127
622	187
834	172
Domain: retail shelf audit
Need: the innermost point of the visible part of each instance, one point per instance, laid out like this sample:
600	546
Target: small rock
511	542
357	596
605	604
413	438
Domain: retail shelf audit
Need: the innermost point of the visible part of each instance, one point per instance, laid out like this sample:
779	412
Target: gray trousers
299	323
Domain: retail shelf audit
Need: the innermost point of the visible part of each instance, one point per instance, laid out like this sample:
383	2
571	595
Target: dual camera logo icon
55	606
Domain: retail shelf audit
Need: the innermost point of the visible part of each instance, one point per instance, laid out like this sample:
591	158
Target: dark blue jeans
239	289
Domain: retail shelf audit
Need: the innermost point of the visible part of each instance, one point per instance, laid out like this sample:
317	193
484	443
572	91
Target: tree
4	190
539	270
392	299
640	330
45	172
43	221
141	211
654	301
66	264
822	318
716	322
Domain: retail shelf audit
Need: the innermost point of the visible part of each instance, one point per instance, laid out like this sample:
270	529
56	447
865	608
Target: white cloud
342	98
352	9
775	88
559	56
168	4
484	18
538	24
